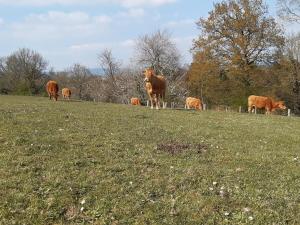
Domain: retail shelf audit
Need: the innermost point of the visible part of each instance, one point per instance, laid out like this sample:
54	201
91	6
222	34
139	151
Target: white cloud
103	19
128	43
58	18
135	3
184	40
56	24
86	53
101	45
87	46
133	13
124	3
1	21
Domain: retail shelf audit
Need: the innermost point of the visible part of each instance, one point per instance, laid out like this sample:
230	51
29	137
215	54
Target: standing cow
194	103
155	87
262	102
66	93
52	89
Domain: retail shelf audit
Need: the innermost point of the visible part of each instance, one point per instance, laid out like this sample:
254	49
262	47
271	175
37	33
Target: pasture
71	162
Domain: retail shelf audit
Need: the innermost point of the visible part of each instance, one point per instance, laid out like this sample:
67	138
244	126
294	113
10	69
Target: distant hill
97	71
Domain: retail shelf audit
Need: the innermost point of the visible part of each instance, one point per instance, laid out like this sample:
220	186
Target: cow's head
281	105
149	72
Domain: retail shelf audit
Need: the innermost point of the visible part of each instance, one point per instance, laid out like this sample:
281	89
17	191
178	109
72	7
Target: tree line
241	50
25	72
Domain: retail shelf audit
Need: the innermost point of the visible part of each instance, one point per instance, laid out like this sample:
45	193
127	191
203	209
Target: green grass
54	155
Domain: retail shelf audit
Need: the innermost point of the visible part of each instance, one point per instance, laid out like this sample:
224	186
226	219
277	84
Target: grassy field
86	163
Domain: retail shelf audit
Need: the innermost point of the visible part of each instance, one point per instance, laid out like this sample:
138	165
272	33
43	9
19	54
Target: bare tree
79	78
158	51
22	70
96	88
111	69
289	10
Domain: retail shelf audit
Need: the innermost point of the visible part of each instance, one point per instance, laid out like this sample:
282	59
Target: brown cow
66	93
156	88
262	102
135	101
194	103
52	89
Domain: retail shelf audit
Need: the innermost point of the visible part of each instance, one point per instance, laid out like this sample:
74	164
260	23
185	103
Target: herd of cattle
155	86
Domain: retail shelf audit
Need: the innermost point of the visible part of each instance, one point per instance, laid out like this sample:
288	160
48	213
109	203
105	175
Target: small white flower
296	158
215	183
60	129
226	213
222	188
31	144
171	167
246	209
222	193
250	218
130	182
81	209
238	169
82	202
211	189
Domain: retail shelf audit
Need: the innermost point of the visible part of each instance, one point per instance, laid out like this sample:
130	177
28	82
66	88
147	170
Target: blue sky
76	31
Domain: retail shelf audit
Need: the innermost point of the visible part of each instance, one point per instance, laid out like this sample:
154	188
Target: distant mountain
97	71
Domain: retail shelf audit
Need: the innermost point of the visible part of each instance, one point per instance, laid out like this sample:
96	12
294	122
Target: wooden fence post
204	107
240	109
289	112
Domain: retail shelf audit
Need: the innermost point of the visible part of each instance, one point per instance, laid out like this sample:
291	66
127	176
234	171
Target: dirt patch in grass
174	147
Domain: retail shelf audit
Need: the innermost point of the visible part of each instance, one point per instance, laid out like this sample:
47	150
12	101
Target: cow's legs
249	109
151	101
157	102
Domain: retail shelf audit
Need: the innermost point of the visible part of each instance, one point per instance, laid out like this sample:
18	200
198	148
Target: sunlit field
71	162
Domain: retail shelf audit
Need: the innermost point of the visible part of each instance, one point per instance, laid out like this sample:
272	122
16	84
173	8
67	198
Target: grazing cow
261	102
66	93
52	89
156	88
194	103
135	101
